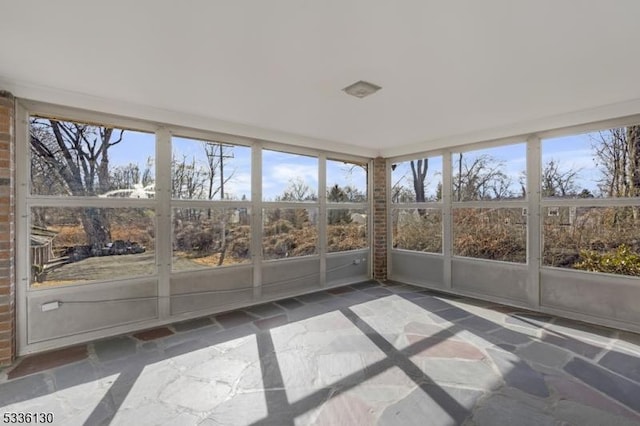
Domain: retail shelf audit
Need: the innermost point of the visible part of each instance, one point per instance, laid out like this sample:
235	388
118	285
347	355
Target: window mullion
163	221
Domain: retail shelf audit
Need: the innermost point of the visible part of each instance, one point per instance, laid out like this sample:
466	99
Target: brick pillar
379	219
7	227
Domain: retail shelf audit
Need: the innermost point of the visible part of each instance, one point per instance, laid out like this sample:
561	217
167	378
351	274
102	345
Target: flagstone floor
359	355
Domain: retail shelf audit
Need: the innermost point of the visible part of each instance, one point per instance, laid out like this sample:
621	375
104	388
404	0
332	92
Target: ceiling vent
361	89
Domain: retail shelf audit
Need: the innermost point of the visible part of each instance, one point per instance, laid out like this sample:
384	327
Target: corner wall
7	229
379	219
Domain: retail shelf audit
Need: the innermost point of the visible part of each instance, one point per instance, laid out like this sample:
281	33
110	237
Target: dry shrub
295	242
591	233
413	231
346	237
621	261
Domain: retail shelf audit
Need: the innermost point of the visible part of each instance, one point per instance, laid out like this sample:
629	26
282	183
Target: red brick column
7	229
379	219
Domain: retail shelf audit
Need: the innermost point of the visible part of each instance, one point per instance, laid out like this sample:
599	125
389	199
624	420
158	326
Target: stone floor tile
432	304
589	350
611	384
149	346
357	297
114	348
315	297
343	409
431	404
451	314
534	318
265	310
542	353
101	414
200	334
234	319
413	295
628	341
268	323
192	324
155	333
583	415
74	374
340	290
377	291
307	311
427	329
582	331
336	303
366	284
510	336
40	362
24	389
502	410
154	414
402	289
478	324
572	390
522	321
472	374
444	348
250	408
289	303
516	373
623	364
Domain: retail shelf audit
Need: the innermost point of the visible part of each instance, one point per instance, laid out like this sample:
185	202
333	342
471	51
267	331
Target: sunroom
337	213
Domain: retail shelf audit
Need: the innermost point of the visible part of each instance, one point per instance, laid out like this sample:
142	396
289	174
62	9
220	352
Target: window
418	180
289	177
81	240
78	245
346	227
207	170
289	232
493	234
417	229
596	239
82	160
288	180
87	238
210	237
603	164
76	159
346	182
489	174
596	175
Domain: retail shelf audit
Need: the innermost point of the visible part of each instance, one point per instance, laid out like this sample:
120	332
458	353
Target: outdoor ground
108	268
357	355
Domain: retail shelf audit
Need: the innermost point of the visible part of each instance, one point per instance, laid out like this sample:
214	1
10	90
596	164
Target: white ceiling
452	71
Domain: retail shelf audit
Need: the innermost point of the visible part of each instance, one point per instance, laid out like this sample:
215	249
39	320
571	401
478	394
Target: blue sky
278	168
573	152
570	152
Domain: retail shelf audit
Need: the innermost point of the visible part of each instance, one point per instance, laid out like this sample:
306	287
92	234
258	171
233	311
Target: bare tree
419	170
557	182
297	190
217	154
76	156
480	179
633	145
127	176
612	159
402	194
